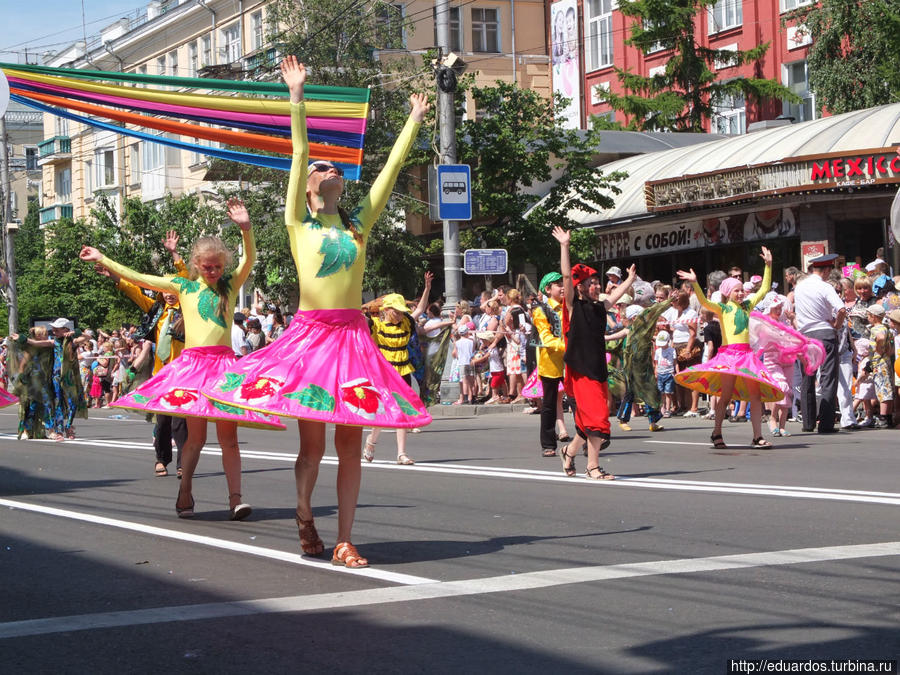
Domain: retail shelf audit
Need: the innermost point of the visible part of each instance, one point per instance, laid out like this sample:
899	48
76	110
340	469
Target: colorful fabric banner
336	122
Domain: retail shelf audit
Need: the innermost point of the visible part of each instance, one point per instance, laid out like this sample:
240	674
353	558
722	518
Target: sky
42	25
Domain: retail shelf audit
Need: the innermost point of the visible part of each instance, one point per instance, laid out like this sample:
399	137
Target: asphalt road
484	555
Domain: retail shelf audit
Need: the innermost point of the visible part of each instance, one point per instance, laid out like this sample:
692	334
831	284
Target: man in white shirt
818	310
238	336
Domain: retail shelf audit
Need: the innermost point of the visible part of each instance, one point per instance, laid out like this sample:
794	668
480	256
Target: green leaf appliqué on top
186	285
741	321
339	250
208	307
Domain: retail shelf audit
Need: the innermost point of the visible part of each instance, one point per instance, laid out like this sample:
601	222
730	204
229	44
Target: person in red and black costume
584	325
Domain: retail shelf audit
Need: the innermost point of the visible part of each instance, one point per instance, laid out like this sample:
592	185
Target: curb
475	410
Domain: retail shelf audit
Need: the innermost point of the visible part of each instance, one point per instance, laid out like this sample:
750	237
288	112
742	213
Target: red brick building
729	24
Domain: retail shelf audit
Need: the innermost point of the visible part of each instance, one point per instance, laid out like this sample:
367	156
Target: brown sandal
596	473
346	555
310	542
568	462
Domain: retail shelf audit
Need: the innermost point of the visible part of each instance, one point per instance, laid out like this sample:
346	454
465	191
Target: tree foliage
854	60
684	96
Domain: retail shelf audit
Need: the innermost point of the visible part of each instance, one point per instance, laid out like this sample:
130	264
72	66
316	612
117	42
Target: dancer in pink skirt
207	302
325	367
735	369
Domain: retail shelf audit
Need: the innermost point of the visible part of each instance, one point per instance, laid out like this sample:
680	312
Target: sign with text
488	261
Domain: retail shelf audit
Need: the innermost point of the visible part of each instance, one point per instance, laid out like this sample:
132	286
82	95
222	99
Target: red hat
581	272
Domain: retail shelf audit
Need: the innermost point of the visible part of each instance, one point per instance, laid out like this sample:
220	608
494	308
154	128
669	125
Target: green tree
517	143
683	97
854	60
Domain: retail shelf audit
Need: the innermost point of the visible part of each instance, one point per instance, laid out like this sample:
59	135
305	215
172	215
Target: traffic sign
454	192
485	261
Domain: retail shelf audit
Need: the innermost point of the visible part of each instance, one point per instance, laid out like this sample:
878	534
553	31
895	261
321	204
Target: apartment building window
729	115
135	164
31	158
485	30
161	65
788	5
63	185
153	167
61	126
389	25
725	14
598	33
656	46
105	167
173	64
456	43
795	76
207	59
192	59
89	179
256	26
231	36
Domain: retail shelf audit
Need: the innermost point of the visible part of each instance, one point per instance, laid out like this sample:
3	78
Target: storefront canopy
843	151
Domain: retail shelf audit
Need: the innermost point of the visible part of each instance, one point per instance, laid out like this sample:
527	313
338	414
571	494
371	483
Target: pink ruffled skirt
740	361
7	399
175	390
326	368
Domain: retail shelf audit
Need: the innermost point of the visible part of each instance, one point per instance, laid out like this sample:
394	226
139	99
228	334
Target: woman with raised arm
325	367
207	304
735	371
584	325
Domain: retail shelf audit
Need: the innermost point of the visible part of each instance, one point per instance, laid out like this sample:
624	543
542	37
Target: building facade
228	39
24	131
599	30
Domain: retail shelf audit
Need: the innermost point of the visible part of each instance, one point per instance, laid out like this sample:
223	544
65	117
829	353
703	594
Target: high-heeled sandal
568	462
310	541
718	442
185	512
369	451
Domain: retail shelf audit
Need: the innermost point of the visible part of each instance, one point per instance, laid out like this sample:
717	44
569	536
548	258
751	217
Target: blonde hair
213	246
514	296
39	332
463	305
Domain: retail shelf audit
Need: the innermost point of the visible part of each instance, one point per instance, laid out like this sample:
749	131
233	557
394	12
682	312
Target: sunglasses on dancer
322	168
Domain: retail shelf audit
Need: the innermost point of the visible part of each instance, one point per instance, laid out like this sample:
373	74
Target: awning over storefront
851	150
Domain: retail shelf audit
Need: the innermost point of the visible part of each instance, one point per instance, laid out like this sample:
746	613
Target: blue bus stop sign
454	191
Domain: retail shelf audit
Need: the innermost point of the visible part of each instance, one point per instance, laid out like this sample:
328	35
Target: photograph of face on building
769	224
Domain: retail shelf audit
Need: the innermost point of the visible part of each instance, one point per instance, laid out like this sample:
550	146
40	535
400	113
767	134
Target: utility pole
447	117
8	243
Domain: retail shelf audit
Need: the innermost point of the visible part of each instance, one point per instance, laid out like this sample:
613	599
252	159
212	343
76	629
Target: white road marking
272	554
449	589
791	491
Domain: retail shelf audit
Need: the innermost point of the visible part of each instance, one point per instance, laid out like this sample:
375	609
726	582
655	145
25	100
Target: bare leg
231	460
723	402
190	456
306	468
756	414
401	442
560	418
347	441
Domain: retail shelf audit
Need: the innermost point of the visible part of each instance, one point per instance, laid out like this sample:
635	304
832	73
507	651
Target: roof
859	130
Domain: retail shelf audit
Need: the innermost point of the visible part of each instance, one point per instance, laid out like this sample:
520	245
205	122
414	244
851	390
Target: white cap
872	265
748	286
614	270
632	311
662	338
60	323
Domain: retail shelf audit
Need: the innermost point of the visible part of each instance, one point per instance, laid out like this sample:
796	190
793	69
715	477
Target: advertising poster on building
564	58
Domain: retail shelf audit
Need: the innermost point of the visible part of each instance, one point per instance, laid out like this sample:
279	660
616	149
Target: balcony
54	150
260	59
53	213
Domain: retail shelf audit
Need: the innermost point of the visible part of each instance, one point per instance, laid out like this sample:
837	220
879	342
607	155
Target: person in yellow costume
325	366
735	371
162	322
207	302
550	366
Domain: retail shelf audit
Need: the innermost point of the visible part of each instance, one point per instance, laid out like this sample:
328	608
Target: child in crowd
96	392
865	383
463	349
664	368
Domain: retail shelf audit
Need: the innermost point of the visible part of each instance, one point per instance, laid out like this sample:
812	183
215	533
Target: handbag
685	354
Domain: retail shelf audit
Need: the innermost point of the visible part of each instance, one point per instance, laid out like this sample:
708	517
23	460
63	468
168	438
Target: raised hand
766	255
170	243
294	75
687	276
420	107
238	213
102	271
561	235
429	277
90	254
632	272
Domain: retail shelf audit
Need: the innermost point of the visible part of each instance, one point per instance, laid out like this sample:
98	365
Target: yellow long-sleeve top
133	293
206	323
330	258
553	349
734	318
